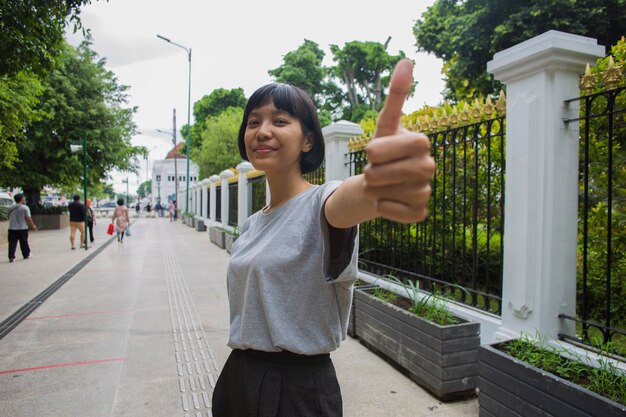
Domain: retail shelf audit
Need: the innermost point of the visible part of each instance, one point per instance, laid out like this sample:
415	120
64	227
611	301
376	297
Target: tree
466	34
364	68
211	105
144	189
18	97
219	149
31	33
80	99
303	68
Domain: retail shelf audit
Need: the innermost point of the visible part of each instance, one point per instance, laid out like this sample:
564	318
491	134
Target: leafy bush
606	380
48	210
4	213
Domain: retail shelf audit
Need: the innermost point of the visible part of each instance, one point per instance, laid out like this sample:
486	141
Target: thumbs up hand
399	169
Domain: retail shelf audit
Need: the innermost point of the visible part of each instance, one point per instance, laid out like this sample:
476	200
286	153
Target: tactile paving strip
195	361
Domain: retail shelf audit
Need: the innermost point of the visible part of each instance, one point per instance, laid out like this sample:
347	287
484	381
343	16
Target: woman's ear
308	143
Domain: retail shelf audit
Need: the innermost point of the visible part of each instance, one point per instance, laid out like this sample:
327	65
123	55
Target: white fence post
541	209
225	175
336	137
242	193
213	208
205	199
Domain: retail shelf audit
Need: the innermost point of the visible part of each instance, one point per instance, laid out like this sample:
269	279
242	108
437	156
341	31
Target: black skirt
277	384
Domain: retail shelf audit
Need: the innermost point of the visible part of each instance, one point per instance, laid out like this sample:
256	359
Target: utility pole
175	159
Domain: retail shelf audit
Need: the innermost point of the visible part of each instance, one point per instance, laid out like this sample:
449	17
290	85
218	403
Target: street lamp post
127	201
76	149
188	50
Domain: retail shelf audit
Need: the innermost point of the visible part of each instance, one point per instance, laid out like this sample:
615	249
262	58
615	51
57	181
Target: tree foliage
219	149
31	33
364	69
18	97
144	189
210	106
466	34
80	99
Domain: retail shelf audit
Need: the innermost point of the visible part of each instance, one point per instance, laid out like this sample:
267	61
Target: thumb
399	88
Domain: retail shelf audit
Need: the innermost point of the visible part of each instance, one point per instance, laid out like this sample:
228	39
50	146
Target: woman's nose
264	131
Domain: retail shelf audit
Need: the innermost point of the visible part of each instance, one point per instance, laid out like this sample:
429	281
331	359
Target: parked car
110	204
6	200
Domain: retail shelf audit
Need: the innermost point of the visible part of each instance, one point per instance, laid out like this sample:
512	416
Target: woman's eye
280	122
252	123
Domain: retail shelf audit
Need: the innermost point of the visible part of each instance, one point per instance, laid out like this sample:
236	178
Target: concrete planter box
216	236
442	359
510	387
352	318
4	230
228	241
51	221
200	227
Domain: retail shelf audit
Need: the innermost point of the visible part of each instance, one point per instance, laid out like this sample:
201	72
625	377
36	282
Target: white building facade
168	173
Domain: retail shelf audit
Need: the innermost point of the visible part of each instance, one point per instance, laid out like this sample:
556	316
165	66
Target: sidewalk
141	330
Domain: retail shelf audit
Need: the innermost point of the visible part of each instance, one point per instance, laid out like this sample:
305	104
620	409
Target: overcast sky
234	44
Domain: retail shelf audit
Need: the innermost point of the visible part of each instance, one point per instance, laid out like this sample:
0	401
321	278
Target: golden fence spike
501	104
444	122
465	115
454	117
488	108
611	75
476	110
434	123
587	81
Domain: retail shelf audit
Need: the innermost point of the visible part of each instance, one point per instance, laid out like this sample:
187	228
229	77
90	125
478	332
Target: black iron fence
256	193
218	204
318	176
457	251
232	203
601	280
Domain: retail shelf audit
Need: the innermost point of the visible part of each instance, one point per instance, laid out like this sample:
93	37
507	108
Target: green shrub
4	213
48	210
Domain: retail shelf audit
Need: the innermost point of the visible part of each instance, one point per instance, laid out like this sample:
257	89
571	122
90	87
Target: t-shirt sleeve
340	245
27	211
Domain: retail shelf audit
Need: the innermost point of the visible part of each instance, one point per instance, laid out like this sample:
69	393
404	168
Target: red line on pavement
89	313
60	365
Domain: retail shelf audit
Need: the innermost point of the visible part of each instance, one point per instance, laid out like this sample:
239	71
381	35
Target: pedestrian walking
77	220
137	208
19	222
292	269
172	210
120	219
91	220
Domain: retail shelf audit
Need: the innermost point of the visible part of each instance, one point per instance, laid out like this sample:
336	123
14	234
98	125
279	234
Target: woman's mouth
263	149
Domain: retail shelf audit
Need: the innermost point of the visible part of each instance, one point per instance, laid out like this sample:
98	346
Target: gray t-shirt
17	217
285	291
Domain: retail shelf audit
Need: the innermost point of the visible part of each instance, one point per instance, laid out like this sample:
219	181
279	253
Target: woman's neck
284	187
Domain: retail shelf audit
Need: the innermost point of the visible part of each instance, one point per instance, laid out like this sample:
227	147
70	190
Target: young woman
292	268
120	219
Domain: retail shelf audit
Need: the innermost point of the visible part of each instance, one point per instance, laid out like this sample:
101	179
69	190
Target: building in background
165	173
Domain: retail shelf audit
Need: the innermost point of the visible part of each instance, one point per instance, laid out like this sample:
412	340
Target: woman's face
274	140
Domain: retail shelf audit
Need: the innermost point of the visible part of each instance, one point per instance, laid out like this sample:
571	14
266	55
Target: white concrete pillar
206	184
336	137
540	238
213	188
243	211
225	175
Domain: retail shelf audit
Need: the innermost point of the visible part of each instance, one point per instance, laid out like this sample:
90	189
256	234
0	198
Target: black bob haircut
299	105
